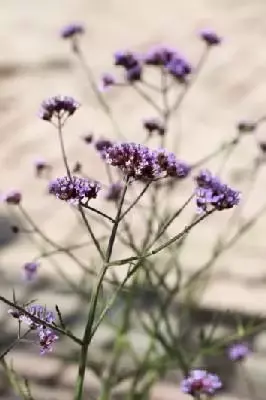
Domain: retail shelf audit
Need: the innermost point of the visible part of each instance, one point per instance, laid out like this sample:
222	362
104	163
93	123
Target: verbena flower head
74	190
113	192
200	382
72	30
102	144
134	74
134	160
47	338
13	197
126	59
30	270
154	125
159	56
107	81
238	351
59	107
212	193
168	163
88	138
210	37
179	68
36	311
246	126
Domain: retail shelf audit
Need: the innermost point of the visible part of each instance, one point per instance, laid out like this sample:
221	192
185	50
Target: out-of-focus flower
126	59
58	106
173	167
47	338
210	37
77	167
113	192
74	190
13	197
41	166
107	81
159	56
238	351
179	68
201	382
212	192
88	138
72	30
30	270
134	160
102	144
134	74
154	125
246	126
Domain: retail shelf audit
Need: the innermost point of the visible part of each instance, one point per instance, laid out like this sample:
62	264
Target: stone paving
34	64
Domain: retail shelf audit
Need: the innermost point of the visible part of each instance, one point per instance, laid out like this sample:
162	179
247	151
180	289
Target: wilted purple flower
154	125
71	30
12	197
201	382
40	166
58	106
134	74
107	81
126	59
113	192
238	351
47	338
30	270
173	167
102	144
210	37
179	68
88	138
36	311
135	160
74	190
246	126
159	56
211	192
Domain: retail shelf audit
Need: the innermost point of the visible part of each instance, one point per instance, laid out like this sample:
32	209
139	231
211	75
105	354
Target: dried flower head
154	125
114	191
107	81
210	192
201	382
238	351
30	270
72	30
102	144
13	197
168	163
47	338
134	160
74	190
210	37
59	107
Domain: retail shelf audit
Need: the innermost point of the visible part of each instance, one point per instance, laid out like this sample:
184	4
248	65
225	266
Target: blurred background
35	63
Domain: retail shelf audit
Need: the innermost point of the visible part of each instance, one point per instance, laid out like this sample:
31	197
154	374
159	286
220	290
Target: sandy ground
35	64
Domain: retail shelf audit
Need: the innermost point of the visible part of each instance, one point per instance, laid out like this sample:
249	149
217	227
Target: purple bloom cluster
139	162
74	190
107	81
72	30
102	144
113	192
30	270
46	336
238	351
210	37
211	192
131	64
58	106
154	125
201	382
12	197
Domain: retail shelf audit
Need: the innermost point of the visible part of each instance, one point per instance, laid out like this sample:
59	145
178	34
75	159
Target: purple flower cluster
58	106
30	270
46	336
201	382
72	30
107	81
210	37
212	192
13	197
238	351
154	125
131	63
102	144
139	162
74	190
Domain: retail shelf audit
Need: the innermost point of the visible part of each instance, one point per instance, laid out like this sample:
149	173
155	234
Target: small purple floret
210	37
71	30
47	338
159	56
238	351
58	106
30	270
107	81
74	190
171	165
201	382
179	68
13	197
